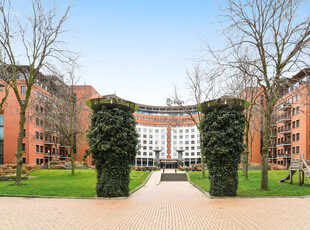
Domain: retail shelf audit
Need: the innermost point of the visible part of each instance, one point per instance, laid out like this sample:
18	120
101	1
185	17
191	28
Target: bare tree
202	86
244	87
277	37
67	111
29	44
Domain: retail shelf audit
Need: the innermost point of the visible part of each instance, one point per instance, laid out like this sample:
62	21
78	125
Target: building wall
291	108
38	149
167	132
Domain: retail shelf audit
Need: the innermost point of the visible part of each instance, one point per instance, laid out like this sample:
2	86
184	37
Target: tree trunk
203	175
265	151
246	153
19	153
246	165
72	158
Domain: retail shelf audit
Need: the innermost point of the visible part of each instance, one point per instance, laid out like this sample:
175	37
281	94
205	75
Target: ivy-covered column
222	139
113	141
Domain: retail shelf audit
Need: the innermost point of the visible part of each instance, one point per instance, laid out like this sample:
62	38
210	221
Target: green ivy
113	141
222	139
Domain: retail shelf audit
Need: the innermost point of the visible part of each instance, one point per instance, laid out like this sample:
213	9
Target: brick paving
169	205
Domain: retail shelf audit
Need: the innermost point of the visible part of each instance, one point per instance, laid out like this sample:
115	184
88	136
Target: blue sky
140	49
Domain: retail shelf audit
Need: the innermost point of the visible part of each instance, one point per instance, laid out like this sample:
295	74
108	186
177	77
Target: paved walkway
169	205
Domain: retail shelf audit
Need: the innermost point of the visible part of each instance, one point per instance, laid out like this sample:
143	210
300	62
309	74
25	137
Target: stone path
169	205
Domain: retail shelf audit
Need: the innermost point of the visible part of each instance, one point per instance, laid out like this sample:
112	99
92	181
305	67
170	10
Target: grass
251	187
55	182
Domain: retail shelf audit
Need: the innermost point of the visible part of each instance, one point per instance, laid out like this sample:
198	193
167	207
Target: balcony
284	143
284	107
273	135
284	119
285	131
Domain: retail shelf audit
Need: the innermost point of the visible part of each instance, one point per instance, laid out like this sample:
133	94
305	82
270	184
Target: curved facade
166	130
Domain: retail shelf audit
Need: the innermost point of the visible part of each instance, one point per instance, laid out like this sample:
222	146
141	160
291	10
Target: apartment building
41	142
167	130
290	133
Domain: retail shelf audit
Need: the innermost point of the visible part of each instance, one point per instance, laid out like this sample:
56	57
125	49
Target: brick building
290	134
41	143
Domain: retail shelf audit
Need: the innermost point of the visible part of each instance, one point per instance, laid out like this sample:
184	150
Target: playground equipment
302	166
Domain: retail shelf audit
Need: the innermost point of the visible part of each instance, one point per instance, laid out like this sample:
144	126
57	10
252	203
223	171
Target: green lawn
250	188
55	182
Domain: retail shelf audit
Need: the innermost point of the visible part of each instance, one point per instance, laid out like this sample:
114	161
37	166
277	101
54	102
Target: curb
159	179
196	186
145	181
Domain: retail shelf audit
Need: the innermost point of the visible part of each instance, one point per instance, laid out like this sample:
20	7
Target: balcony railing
284	119
285	106
285	131
284	143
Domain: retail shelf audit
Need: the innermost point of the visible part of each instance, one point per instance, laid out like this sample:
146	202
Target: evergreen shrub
113	143
222	140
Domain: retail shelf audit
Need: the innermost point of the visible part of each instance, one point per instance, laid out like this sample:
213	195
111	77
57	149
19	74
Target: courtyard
169	205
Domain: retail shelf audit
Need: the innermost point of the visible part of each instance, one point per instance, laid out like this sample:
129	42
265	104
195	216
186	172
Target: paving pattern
169	205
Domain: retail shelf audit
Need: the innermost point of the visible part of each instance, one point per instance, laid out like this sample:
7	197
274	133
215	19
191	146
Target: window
180	137
293	150
192	130
24	132
23	89
297	97
41	149
41	136
186	142
297	123
37	121
37	94
297	110
151	136
297	149
297	136
294	111
294	124
150	142
24	147
293	137
37	135
37	148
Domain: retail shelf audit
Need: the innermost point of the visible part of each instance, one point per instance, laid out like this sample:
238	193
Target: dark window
41	136
37	121
41	149
24	147
37	148
297	123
